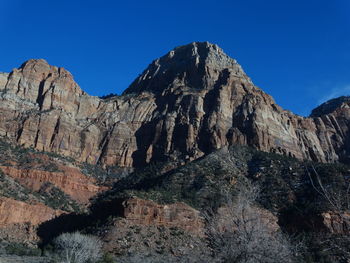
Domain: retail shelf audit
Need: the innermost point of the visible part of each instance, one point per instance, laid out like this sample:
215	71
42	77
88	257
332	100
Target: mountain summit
331	106
196	65
186	104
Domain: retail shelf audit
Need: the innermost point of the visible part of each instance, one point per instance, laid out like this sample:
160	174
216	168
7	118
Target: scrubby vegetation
289	189
47	194
21	250
104	176
57	199
286	190
26	157
77	248
12	189
241	234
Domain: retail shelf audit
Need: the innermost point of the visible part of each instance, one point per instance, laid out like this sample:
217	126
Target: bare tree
241	234
338	200
78	248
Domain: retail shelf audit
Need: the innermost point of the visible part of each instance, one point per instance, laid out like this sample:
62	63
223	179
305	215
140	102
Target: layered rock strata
18	212
180	215
70	180
191	101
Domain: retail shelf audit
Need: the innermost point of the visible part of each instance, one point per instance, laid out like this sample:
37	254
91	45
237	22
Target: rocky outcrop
19	220
180	215
191	101
336	223
18	212
70	180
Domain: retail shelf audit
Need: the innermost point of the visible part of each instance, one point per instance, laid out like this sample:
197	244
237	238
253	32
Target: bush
107	258
77	248
21	250
241	235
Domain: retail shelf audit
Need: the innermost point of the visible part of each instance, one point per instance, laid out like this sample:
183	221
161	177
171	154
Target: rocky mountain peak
197	65
188	103
42	86
41	69
35	63
331	105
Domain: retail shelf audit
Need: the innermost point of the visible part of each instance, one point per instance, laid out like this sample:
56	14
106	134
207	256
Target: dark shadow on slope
80	222
211	101
144	137
64	223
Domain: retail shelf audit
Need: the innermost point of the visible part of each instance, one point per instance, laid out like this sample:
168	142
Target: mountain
186	104
142	170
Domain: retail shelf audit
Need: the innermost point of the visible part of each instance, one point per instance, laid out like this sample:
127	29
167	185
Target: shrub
22	250
107	258
77	248
241	235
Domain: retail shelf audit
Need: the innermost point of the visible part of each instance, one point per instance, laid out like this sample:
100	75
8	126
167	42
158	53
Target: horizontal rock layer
186	104
180	215
78	186
18	212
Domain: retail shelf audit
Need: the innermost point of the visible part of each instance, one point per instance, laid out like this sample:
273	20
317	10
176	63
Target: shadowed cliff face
191	101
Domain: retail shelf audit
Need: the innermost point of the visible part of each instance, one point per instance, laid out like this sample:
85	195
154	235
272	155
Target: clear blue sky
298	51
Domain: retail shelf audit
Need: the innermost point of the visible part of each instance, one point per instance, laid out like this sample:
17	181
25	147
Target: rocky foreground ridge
191	101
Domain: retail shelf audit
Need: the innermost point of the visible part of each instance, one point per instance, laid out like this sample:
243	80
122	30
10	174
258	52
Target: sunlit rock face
191	101
18	212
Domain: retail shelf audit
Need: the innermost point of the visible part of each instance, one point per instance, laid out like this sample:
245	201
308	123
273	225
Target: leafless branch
78	248
239	232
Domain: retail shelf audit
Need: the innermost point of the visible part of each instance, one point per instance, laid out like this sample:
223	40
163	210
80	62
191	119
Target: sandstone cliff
19	220
71	181
15	212
146	212
191	101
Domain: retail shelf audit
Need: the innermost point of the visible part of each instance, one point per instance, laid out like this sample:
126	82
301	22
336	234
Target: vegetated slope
148	216
134	228
36	187
222	170
186	104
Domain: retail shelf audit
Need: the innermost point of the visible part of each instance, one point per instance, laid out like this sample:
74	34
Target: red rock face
188	103
19	220
18	212
180	215
71	181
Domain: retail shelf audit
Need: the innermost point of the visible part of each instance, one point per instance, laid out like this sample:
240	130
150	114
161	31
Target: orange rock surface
17	212
71	181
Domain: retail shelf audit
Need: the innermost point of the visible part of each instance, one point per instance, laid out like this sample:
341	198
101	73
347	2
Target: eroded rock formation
70	180
18	212
336	223
191	101
180	215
